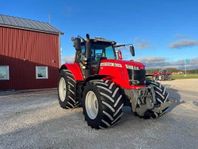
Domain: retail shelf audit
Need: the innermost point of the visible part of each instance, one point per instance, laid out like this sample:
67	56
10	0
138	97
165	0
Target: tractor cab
90	53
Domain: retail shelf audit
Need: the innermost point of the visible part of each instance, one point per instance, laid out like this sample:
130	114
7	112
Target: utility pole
186	62
185	67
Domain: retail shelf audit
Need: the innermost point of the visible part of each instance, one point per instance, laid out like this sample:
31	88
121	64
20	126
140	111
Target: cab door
96	55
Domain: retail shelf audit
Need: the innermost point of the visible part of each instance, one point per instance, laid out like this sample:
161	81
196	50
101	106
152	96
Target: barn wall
23	50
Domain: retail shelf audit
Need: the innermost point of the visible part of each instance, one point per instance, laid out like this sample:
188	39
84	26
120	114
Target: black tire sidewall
64	76
92	122
70	99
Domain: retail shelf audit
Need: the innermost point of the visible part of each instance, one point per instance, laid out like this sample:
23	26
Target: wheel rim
91	104
62	89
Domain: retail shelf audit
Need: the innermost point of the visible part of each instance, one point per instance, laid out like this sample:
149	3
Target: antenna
49	19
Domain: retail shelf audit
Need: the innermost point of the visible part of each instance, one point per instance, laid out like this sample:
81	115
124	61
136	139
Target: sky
164	32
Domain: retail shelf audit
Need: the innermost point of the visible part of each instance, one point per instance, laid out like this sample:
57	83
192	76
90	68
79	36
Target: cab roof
101	41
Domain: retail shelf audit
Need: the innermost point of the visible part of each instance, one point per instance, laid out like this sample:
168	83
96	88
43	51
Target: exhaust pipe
88	56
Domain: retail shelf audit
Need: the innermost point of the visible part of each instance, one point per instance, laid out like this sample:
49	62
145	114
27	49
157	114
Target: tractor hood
123	63
128	74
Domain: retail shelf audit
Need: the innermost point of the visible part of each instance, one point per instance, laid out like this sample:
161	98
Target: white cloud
141	44
183	43
160	62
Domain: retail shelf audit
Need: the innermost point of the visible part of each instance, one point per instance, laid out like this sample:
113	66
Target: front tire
102	103
161	96
67	90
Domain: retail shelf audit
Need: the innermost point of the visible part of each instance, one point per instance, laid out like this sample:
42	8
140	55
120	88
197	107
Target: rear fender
75	70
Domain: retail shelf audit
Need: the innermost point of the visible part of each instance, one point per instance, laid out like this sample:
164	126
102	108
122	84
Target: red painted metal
23	50
76	71
161	75
119	75
119	55
157	73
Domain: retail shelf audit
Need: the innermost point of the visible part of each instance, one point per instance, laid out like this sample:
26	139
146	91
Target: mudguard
75	70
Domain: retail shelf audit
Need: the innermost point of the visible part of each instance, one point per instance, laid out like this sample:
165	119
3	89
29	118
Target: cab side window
98	54
82	53
110	53
83	50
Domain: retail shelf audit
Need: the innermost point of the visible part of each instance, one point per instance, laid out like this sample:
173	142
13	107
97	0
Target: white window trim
7	71
46	72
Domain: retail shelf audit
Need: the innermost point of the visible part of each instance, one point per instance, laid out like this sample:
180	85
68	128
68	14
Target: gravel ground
35	120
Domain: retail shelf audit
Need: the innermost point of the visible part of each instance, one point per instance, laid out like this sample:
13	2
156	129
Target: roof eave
30	29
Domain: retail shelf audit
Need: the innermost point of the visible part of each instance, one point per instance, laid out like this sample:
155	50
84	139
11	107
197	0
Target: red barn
29	54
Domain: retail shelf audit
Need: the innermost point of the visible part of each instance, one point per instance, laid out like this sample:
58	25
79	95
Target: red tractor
162	75
102	83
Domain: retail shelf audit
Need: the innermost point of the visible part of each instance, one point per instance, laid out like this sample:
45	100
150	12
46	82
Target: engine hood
124	63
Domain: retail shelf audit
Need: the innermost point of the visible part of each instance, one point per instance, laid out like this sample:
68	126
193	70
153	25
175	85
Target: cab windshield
125	52
102	50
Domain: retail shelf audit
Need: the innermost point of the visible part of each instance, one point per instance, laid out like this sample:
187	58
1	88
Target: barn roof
27	24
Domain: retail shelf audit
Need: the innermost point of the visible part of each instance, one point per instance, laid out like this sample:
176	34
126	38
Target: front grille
136	77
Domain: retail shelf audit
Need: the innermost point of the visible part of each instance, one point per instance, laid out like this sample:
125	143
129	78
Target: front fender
75	70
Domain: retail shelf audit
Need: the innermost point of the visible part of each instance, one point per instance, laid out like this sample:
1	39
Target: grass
182	76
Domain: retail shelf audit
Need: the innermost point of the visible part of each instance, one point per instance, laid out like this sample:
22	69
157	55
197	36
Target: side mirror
119	54
132	50
77	44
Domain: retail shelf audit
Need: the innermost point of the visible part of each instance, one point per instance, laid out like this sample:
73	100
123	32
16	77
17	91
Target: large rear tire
67	90
102	103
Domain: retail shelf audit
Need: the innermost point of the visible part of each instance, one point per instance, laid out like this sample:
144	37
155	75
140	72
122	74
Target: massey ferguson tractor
162	75
102	83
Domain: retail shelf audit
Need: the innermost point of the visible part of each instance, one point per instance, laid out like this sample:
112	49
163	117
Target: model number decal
111	64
